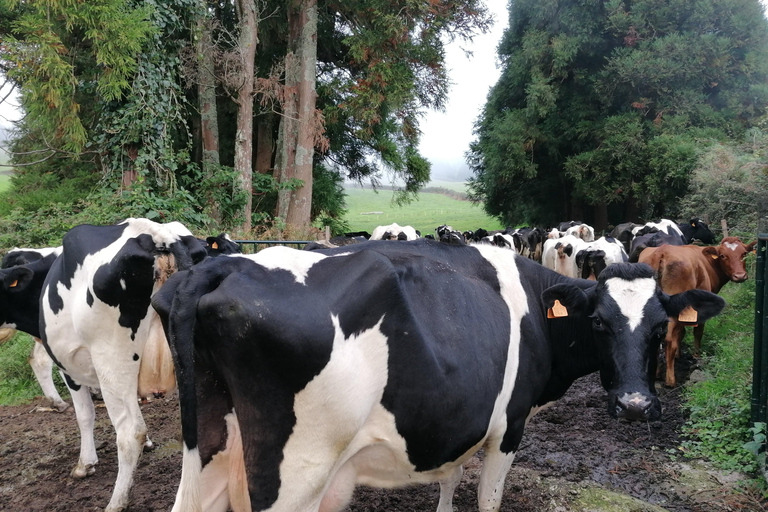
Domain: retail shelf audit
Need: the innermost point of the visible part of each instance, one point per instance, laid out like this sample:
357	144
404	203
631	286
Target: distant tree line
618	110
234	114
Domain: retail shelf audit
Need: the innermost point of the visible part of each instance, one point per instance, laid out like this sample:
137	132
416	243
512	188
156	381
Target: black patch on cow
135	357
126	282
71	384
89	298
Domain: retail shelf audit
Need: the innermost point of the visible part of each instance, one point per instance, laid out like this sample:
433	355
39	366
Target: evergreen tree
604	106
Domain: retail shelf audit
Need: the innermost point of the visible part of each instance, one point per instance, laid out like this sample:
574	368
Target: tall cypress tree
603	107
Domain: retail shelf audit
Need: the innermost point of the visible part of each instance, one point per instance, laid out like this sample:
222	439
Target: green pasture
5	181
369	208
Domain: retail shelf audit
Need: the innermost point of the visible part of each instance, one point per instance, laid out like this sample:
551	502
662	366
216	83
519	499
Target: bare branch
25	164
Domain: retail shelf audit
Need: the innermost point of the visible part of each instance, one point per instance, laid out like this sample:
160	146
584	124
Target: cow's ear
568	249
580	257
711	252
750	246
570	297
696	306
16	279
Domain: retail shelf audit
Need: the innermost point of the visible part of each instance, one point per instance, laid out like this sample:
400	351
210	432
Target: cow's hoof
148	446
61	407
81	472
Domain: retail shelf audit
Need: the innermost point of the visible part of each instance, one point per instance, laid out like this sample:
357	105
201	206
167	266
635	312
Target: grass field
368	209
5	181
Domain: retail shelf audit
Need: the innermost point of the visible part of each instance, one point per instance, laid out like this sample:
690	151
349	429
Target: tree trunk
209	125
600	217
265	144
247	40
297	126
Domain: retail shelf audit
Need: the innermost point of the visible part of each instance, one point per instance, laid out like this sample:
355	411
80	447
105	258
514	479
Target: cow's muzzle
636	407
739	278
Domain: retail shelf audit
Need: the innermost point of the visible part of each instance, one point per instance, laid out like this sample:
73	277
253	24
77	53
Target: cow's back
678	268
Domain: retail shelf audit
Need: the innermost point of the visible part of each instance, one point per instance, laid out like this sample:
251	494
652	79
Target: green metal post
759	365
760	360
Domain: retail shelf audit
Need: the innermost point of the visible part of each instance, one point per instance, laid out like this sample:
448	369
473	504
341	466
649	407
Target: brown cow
685	267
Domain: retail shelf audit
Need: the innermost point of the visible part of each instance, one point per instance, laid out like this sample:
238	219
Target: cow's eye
596	322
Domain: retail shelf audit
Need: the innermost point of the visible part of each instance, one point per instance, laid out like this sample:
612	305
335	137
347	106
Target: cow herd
303	373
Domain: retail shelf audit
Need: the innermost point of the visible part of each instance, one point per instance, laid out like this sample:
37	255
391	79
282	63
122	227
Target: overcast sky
446	135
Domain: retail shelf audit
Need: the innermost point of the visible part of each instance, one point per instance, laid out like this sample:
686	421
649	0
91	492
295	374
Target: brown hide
156	372
685	267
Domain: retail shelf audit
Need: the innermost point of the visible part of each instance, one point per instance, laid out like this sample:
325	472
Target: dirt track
568	451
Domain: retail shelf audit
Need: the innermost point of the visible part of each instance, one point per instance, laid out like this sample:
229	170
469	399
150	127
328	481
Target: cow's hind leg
339	494
447	489
86	415
118	388
42	365
495	468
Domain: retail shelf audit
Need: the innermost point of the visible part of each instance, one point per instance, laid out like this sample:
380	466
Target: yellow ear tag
714	256
688	315
13	284
214	245
557	310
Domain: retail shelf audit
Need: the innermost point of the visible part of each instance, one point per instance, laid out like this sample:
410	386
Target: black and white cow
96	320
394	232
366	365
22	275
696	229
219	245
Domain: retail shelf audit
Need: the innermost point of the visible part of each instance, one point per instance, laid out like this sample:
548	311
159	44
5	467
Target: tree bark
265	144
209	125
247	41
298	123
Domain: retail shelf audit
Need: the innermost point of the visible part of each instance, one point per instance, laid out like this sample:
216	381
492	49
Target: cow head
626	316
730	256
700	231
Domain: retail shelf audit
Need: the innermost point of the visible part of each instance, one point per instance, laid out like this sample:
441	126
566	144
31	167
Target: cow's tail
177	302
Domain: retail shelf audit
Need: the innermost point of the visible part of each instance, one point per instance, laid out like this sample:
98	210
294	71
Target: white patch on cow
284	258
732	246
514	296
123	285
188	494
631	297
44	251
329	431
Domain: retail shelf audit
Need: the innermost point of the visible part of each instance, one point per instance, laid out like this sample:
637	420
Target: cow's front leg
495	468
86	415
448	488
698	333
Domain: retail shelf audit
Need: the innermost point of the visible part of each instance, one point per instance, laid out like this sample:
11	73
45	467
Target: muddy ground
574	457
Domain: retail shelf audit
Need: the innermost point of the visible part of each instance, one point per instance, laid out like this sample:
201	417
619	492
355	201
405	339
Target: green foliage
51	39
17	380
719	406
612	102
728	183
328	203
757	445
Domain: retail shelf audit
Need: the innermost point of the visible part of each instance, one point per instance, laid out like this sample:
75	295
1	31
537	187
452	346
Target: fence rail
257	245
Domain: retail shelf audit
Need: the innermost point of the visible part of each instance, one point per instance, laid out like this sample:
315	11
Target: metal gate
760	361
